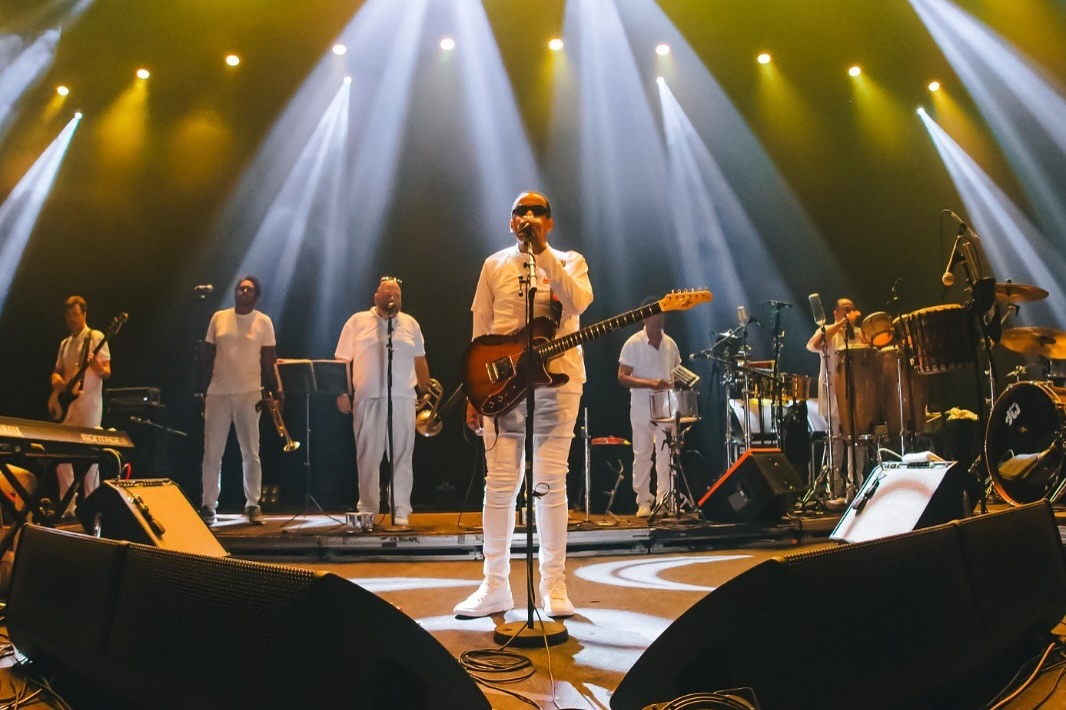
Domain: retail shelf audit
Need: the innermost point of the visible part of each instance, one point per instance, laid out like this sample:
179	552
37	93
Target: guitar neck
557	347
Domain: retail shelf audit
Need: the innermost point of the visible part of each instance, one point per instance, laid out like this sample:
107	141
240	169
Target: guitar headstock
684	300
117	322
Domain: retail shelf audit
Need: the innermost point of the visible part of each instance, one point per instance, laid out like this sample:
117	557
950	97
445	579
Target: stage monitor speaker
899	497
921	619
149	511
146	627
760	487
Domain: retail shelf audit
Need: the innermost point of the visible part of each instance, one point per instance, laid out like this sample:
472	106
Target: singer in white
843	332
563	293
364	344
645	365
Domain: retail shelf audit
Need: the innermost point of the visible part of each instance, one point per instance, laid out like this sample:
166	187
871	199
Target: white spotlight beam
23	70
19	212
1023	108
1015	247
501	147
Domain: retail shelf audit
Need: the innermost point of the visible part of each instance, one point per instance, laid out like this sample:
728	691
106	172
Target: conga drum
863	397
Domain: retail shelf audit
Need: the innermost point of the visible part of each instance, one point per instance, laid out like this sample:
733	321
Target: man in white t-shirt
646	365
364	344
88	408
238	355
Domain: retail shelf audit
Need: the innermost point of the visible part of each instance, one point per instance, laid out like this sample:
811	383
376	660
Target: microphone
779	304
816	309
701	355
525	232
742	316
948	279
390	308
203	289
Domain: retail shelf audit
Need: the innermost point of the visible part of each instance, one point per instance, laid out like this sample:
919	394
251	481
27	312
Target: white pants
220	411
83	411
369	418
554	418
648	439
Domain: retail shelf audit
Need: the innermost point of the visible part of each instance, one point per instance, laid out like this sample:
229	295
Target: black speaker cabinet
150	511
937	618
899	497
144	627
759	488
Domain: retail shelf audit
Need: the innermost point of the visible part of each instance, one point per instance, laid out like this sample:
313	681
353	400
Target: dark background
139	214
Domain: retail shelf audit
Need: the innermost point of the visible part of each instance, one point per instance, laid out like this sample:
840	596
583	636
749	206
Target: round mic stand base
521	634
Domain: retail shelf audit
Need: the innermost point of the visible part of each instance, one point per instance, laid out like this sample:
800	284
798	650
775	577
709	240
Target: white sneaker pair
643	511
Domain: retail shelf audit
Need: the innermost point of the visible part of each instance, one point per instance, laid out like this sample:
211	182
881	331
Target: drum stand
610	518
825	476
675	503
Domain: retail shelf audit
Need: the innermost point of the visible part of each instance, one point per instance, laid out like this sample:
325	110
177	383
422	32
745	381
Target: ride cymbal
1034	340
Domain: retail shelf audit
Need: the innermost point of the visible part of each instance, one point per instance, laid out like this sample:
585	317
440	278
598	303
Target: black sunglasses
537	210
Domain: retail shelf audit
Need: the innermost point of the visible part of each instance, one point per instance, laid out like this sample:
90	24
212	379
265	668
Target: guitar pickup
500	369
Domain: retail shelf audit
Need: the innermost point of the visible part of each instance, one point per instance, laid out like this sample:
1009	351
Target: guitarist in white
87	409
499	307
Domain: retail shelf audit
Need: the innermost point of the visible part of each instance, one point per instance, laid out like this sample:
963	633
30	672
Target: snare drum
939	339
1023	442
667	405
877	327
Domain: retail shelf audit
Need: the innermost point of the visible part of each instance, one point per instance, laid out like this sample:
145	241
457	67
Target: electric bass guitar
494	366
60	400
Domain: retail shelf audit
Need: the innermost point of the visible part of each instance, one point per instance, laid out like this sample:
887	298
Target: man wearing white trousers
563	292
364	344
238	355
645	365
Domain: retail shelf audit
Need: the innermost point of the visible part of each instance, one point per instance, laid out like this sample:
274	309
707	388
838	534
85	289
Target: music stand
301	377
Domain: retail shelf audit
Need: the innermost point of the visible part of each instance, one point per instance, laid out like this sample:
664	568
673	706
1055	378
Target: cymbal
1019	293
1033	340
609	441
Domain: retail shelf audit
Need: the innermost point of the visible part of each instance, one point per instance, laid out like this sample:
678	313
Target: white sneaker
486	600
643	511
556	603
401	521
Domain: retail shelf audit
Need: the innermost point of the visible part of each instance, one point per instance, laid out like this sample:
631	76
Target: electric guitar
494	366
60	399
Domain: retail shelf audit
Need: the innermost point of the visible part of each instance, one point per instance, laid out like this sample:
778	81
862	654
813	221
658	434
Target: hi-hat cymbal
1033	340
1020	293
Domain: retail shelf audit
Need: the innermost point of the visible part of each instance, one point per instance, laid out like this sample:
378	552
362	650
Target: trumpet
428	421
271	405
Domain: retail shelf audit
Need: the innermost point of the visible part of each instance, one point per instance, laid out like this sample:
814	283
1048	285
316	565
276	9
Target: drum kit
1023	449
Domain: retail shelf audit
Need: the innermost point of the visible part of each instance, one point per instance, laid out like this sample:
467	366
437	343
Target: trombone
271	405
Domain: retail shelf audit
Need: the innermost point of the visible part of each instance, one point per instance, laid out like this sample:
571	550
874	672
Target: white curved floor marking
377	585
644	573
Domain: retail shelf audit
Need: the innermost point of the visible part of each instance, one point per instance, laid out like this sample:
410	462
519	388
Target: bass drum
1023	442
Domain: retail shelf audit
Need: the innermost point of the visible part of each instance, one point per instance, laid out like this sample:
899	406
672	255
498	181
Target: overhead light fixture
143	74
763	58
232	60
339	49
62	90
934	86
855	70
447	44
662	50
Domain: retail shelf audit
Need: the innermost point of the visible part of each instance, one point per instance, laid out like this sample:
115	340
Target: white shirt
239	340
69	361
500	304
649	362
364	343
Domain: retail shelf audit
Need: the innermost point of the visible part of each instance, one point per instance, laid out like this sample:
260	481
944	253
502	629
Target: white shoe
486	600
401	521
556	603
643	511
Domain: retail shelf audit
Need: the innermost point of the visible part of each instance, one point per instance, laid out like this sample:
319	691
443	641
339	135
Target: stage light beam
19	211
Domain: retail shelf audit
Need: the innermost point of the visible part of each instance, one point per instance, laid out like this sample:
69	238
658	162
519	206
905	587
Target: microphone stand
530	633
778	389
388	429
826	474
